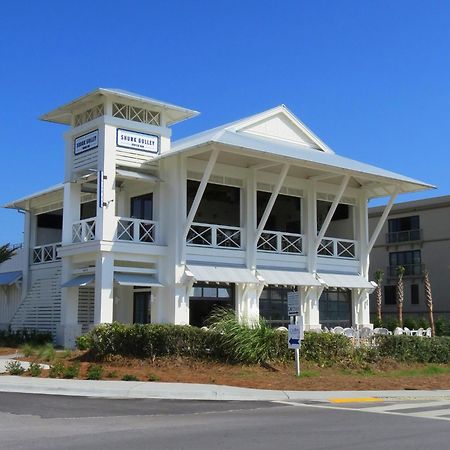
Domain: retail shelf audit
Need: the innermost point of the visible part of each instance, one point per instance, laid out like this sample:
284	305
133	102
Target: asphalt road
56	422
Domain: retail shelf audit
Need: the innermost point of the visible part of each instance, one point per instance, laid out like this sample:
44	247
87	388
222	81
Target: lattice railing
89	114
136	114
46	253
337	248
83	230
217	236
136	230
279	242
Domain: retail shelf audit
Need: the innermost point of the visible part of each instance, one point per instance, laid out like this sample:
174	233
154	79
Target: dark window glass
285	214
410	260
335	308
88	210
414	294
142	207
51	221
141	307
389	295
404	224
220	205
273	305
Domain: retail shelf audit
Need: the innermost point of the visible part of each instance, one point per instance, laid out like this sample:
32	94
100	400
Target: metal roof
63	114
16	203
9	278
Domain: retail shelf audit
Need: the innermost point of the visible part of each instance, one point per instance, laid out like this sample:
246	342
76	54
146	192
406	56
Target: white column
250	219
247	303
71	210
309	300
27	252
311	225
104	288
360	308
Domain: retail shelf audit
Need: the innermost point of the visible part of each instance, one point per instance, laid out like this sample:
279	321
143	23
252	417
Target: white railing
337	248
46	253
280	242
217	236
136	230
83	230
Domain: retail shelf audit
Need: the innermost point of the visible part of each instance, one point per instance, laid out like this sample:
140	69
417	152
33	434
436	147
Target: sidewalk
187	391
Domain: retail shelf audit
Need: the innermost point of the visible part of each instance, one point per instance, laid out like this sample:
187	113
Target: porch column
360	308
69	328
104	288
71	210
247	303
309	301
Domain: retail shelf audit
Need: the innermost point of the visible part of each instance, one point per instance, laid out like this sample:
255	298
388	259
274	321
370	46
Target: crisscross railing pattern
45	253
83	230
217	236
136	230
280	242
337	248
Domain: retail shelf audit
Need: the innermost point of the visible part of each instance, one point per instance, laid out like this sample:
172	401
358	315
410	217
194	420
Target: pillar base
66	335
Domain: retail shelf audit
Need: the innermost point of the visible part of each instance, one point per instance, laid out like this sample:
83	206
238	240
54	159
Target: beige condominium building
416	236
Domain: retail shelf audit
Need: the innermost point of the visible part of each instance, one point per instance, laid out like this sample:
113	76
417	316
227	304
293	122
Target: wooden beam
271	202
331	212
200	191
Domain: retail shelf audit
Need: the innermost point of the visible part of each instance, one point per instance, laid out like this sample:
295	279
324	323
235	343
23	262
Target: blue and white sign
85	142
137	141
294	336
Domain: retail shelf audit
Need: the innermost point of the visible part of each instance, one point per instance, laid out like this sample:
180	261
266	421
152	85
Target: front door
206	298
141	307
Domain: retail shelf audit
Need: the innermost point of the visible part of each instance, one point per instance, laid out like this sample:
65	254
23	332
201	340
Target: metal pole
297	354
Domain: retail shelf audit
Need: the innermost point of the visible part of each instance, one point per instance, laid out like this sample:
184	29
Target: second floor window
410	260
142	207
403	229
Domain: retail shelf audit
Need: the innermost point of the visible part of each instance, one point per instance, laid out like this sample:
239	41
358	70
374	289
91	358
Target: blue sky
370	77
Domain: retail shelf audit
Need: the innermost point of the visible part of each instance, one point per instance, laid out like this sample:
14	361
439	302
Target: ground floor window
335	308
207	297
273	305
141	307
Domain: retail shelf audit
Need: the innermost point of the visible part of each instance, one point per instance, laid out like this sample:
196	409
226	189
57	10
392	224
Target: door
141	307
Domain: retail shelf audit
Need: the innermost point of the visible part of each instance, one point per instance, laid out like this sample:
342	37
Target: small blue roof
9	278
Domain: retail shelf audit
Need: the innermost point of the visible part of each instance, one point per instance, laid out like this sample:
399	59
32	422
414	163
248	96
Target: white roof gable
280	124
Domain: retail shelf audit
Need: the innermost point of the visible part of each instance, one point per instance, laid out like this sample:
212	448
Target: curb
187	391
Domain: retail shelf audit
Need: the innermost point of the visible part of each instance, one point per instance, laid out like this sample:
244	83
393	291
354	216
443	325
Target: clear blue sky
370	77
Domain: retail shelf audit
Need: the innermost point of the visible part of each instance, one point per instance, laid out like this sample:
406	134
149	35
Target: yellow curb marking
356	400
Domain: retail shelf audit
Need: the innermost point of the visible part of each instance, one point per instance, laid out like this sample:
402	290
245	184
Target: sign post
295	330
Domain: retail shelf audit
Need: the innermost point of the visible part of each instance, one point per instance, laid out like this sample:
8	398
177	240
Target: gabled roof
64	113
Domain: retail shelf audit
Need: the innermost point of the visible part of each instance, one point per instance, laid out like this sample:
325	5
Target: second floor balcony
398	237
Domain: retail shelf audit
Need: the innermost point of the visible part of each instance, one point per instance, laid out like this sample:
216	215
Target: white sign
293	301
85	142
137	141
294	334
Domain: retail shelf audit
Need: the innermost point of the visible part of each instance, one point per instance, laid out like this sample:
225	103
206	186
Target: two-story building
146	230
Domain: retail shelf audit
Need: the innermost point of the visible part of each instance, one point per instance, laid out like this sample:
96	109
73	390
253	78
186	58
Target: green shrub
14	368
10	338
410	323
56	370
46	352
83	342
128	377
27	350
442	327
422	323
35	369
72	371
112	374
94	372
153	377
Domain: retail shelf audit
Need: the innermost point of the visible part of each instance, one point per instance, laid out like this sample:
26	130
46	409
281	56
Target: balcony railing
403	236
216	236
83	230
411	270
136	230
45	253
280	242
337	248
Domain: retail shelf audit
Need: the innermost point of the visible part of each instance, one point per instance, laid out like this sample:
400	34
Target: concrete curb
187	391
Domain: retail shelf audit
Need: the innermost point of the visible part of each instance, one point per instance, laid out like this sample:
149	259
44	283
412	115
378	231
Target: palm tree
400	294
429	299
6	252
378	292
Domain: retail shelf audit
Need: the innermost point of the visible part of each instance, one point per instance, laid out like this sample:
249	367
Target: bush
56	370
83	342
20	337
128	377
34	370
46	352
14	368
153	377
94	372
72	371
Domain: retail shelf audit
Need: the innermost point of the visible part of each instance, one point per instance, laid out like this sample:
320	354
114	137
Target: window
142	207
390	295
285	214
414	294
220	204
334	308
273	305
404	229
141	307
50	221
410	260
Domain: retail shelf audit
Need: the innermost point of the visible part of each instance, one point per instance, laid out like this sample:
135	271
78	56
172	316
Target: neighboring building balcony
398	237
127	230
411	270
45	253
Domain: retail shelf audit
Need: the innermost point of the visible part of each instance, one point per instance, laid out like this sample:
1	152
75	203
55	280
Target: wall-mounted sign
137	141
85	142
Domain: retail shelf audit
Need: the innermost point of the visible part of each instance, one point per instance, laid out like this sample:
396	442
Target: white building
143	229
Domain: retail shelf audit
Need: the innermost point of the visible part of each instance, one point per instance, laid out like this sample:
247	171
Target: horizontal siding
9	301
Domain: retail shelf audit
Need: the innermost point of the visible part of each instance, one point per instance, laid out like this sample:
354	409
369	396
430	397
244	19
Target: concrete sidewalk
188	391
